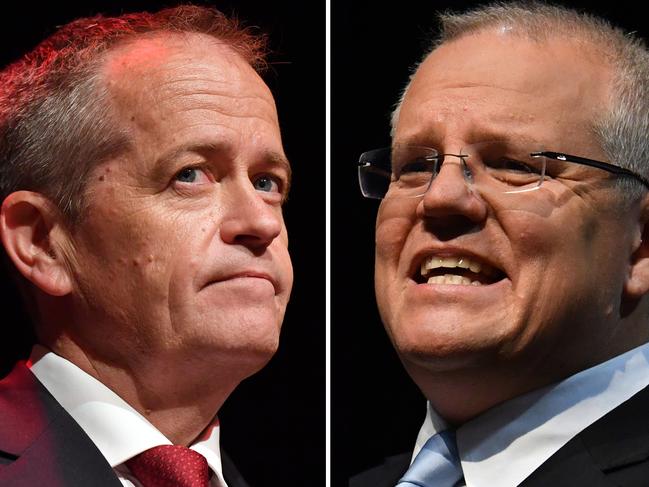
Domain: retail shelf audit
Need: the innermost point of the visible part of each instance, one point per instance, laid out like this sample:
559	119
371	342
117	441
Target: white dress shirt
503	446
118	430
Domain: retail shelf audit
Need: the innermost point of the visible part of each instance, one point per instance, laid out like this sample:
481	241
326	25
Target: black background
273	426
376	409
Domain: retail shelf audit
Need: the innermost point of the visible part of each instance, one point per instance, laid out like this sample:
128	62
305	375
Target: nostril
254	244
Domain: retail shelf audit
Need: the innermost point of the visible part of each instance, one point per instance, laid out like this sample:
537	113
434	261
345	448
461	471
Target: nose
450	195
249	220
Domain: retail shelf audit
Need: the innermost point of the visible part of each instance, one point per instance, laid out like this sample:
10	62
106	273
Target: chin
252	357
248	338
447	343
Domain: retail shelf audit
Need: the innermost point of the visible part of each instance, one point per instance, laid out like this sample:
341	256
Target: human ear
32	230
637	283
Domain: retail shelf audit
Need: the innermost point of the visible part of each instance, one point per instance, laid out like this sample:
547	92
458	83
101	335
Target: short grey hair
622	130
56	121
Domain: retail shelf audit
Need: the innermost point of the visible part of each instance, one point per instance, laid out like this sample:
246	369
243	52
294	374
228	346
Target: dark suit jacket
41	445
613	451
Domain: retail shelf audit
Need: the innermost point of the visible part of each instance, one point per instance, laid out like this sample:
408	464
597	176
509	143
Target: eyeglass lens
406	171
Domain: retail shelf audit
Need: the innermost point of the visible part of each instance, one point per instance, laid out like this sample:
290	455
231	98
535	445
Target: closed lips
244	274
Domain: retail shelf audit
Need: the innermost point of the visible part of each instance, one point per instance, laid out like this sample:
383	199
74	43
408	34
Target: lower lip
457	291
245	281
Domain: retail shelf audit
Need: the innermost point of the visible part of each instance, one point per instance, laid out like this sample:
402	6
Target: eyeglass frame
606	166
559	156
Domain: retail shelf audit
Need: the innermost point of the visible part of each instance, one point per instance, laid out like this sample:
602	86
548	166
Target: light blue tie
436	465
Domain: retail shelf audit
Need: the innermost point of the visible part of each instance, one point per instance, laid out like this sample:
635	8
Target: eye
514	172
266	183
512	166
414	166
191	175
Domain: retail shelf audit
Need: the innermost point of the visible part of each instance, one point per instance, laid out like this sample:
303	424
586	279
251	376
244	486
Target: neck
180	397
462	393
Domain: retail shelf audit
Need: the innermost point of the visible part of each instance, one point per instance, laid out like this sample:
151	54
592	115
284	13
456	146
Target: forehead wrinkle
193	147
184	95
208	98
178	78
168	102
454	85
434	127
227	113
132	72
186	79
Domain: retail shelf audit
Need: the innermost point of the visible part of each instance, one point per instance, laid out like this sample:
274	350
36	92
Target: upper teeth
435	262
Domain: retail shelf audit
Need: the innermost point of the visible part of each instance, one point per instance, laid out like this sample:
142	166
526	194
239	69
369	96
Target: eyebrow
480	134
280	160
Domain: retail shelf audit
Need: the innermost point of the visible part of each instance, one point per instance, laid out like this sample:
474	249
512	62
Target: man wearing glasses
511	258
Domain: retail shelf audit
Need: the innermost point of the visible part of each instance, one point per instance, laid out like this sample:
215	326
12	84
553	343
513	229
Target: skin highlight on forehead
193	65
137	56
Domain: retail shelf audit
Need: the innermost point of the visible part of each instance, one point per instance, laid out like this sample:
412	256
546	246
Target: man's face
183	250
559	253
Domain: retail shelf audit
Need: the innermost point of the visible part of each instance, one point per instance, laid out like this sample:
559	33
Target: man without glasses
512	260
143	176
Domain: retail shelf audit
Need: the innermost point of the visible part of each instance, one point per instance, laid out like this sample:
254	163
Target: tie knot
436	465
170	466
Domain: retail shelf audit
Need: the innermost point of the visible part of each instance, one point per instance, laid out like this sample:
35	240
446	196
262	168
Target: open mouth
457	271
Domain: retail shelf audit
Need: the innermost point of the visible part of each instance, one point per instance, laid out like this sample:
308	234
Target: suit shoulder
614	450
232	476
24	411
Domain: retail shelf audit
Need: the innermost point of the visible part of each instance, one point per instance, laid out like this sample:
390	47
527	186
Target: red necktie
170	466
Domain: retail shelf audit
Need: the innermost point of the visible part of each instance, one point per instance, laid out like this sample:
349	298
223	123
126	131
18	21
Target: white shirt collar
118	430
506	444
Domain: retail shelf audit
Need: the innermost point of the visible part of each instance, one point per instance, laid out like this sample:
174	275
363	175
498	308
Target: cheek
391	239
560	263
391	236
536	241
134	250
282	259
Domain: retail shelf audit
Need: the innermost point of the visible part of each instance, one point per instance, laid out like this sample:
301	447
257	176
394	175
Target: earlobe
30	226
637	284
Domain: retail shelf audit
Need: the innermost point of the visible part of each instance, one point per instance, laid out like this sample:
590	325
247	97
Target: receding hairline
535	22
140	57
161	45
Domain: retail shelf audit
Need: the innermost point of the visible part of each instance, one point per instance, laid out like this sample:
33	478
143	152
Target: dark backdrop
273	426
376	409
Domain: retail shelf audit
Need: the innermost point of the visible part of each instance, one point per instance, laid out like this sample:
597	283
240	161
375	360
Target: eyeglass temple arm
592	163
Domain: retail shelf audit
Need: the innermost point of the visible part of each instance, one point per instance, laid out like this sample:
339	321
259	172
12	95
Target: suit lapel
612	451
230	472
619	442
41	443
